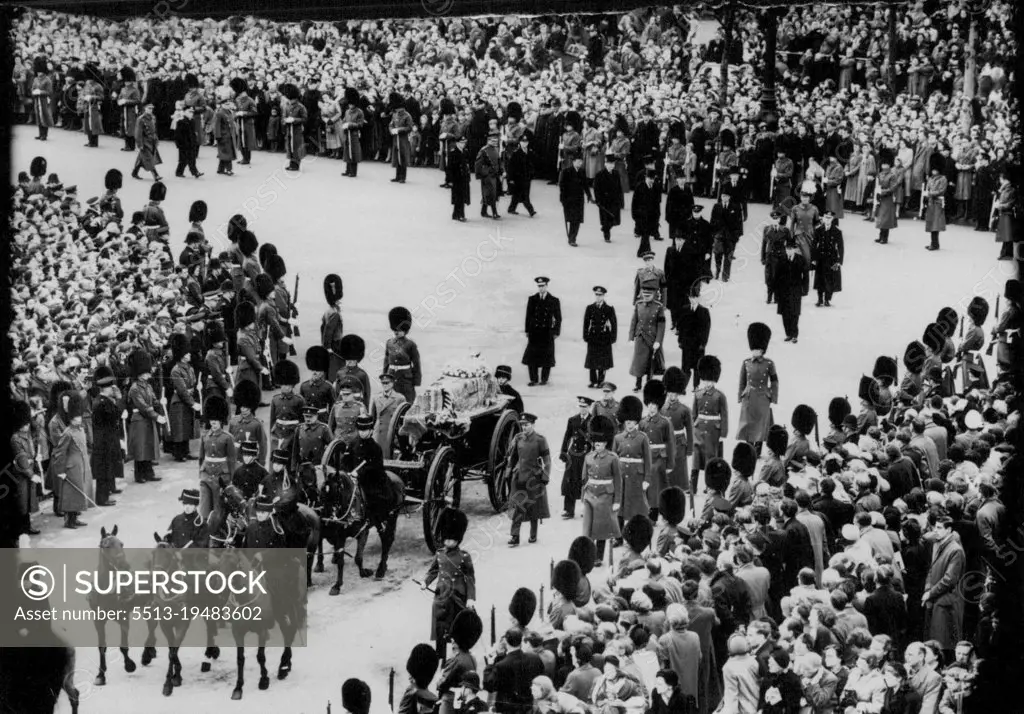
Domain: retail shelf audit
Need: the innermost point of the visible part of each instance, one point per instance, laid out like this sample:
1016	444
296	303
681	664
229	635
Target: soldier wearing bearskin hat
250	353
401	355
800	451
400	127
90	102
217	382
910	390
128	100
947	320
195	100
145	421
69	464
183	404
245	118
421	667
717	477
106	459
217	454
332	325
318	391
42	97
449	132
634	451
355	696
245	426
286	406
455	592
681	420
710	418
662	441
23	469
352	122
565	582
352	349
270	324
934	341
570	145
969	351
637	533
225	130
935	198
465	632
602	486
886	183
153	215
758	387
293	117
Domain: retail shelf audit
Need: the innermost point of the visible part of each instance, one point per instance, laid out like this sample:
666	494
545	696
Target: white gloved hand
161	420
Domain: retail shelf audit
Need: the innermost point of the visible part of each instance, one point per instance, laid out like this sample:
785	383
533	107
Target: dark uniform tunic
710	424
250	360
528	500
543	325
681	420
575	444
311	442
217	454
352	150
600	330
285	415
319	393
634	452
452	568
694	331
342	421
181	415
402	361
663	453
249	428
646	329
251	478
828	257
602	489
773	249
187	530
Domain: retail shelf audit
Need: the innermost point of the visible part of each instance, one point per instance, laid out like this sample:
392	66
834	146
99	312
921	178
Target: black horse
112	559
346	513
166	559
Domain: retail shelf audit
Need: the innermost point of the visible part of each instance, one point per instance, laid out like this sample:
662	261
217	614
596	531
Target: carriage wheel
443	490
499	479
396	443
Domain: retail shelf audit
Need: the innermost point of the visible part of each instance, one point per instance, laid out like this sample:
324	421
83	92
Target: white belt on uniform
399	366
709	417
681	432
600	481
215	459
287	422
630	460
657	446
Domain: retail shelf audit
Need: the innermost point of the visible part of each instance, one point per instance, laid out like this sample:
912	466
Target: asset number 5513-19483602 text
184	612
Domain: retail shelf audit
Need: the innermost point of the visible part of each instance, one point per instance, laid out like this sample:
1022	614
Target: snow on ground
467	286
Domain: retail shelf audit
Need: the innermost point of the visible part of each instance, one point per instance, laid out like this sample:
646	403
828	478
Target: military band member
128	100
332	326
452	568
828	251
286	406
383	409
783	179
316	391
245	426
217	454
575	445
293	117
342	421
608	405
650	272
528	500
681	419
402	356
886	184
935	192
602	486
250	354
311	441
543	325
711	420
773	249
634	451
503	373
646	332
600	331
662	441
1006	207
401	150
352	123
487	167
187	529
245	119
352	349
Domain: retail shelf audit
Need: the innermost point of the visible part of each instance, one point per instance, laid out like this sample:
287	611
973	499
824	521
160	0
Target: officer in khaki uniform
383	409
312	438
646	332
528	500
342	421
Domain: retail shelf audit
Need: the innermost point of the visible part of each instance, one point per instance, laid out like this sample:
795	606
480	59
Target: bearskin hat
709	368
333	289
247	243
934	337
355	696
38	167
566	576
583	552
871	391
886	156
76	405
514	110
672	505
914	357
158	191
452	525
673	380
447	107
21	414
602	429
758	336
352	347
778	439
103	376
197	212
191	81
215	333
885	371
1014	290
523	606
399	318
236	226
127	74
422	665
266	250
247	394
113	180
947	320
351	96
179	345
264	286
318	359
276	267
215	409
466	629
39	65
654	393
289	91
245	314
630	409
717	474
744	459
638	533
728	139
573	119
838	409
936	163
60	387
139	363
804	419
286	372
238	85
395	101
977	310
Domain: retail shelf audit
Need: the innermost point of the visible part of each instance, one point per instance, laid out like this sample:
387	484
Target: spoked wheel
443	490
397	444
499	465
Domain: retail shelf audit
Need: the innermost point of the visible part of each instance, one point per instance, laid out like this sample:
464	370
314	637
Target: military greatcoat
759	389
634	452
